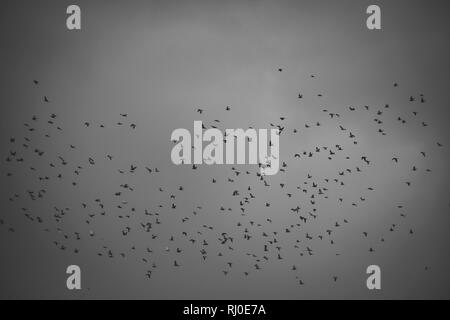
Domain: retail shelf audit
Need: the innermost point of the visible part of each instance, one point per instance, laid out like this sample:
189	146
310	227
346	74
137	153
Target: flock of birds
227	244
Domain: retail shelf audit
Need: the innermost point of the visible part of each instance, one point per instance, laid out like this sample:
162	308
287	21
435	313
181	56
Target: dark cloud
158	62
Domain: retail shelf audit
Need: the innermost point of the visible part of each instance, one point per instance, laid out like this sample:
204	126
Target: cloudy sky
158	62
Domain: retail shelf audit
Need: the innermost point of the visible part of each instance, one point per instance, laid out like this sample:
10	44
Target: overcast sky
158	61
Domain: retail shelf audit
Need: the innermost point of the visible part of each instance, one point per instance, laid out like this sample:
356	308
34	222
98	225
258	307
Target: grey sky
158	61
